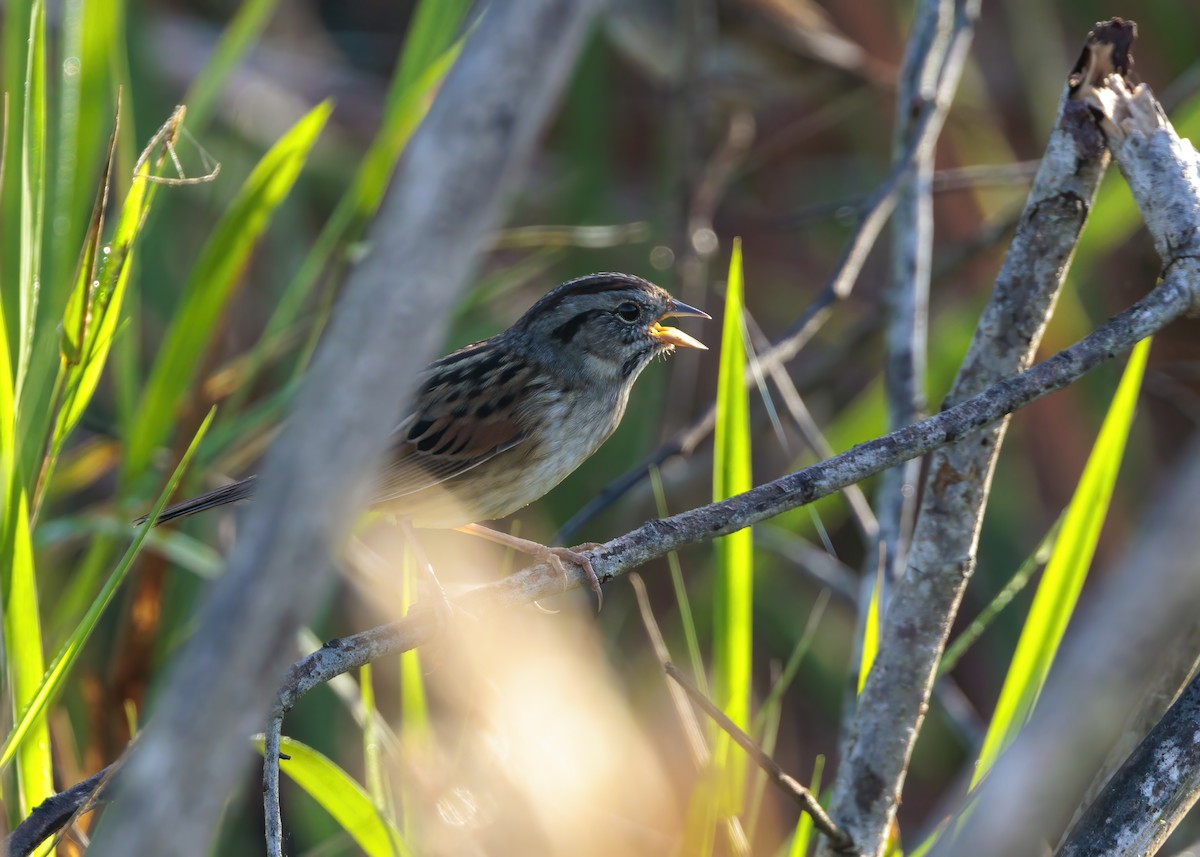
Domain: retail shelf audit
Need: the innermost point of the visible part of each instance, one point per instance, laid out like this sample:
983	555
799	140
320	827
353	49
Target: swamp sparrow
497	424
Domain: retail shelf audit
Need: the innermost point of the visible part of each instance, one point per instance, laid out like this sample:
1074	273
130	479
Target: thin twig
803	419
787	784
687	717
929	78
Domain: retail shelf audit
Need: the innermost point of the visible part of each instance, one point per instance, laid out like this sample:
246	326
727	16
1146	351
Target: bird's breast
565	427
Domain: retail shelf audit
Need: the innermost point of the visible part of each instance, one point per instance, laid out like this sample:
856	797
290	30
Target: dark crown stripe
592	284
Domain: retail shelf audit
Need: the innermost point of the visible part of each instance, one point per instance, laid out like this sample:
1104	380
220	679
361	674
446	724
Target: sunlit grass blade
211	283
95	306
804	826
32	712
1033	562
1063	578
414	704
870	641
734	593
91	317
344	799
429	52
236	39
23	653
33	187
435	25
76	336
372	759
91	41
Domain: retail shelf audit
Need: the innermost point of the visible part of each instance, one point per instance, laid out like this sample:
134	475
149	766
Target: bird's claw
555	557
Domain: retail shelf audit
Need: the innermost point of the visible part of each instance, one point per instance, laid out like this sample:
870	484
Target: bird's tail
230	493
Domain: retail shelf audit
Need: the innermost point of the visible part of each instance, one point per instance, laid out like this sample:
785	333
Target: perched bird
496	425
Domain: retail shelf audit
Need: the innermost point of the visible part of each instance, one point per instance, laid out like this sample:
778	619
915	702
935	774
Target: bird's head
605	327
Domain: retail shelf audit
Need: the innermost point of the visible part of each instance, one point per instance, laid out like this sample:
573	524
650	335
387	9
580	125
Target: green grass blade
774	698
344	799
435	24
686	617
77	331
238	37
211	283
1065	572
52	682
24	658
33	188
870	643
804	827
1037	559
414	702
101	299
430	42
372	758
90	38
733	601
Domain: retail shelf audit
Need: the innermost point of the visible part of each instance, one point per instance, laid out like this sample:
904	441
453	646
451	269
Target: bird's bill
678	309
675	336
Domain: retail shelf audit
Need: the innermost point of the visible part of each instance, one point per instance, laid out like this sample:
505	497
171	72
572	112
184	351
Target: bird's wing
464	416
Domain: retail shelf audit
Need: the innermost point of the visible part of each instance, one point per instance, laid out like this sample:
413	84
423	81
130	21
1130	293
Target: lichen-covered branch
1150	794
878	745
1175	296
1168	301
1148	607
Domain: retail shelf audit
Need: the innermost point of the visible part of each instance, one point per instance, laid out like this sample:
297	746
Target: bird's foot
553	557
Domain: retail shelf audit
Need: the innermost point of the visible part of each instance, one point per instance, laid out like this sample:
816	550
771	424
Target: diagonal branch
878	744
788	784
446	198
1171	299
1150	794
1175	296
1149	607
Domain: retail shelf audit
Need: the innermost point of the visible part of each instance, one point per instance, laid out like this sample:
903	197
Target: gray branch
1148	607
447	195
878	745
932	68
1143	607
1172	298
1150	794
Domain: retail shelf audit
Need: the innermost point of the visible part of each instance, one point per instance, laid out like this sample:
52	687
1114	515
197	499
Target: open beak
673	335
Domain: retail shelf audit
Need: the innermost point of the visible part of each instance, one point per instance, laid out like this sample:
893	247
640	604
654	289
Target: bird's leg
441	604
552	556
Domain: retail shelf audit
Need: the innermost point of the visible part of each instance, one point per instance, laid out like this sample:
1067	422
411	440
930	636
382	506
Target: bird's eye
629	312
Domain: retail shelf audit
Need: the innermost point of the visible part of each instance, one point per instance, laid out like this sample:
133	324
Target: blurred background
687	123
